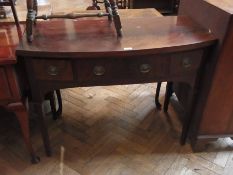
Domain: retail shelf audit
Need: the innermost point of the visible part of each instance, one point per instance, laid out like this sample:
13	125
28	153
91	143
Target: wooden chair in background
10	3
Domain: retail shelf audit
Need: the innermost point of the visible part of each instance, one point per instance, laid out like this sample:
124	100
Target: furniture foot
157	103
188	116
185	130
39	111
35	159
200	145
168	95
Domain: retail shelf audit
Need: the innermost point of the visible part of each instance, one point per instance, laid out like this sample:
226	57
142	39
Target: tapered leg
23	118
157	103
168	95
188	117
39	111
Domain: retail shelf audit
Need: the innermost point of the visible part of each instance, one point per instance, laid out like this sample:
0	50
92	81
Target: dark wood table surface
74	53
95	38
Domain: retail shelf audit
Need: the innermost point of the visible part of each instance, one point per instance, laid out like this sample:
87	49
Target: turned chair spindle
111	13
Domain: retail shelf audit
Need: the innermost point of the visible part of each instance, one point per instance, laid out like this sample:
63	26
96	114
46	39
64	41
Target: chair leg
55	112
168	95
22	116
52	104
35	6
14	12
94	6
59	99
157	103
116	18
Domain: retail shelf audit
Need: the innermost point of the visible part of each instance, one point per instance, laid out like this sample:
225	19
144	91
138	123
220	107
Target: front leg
188	116
22	115
38	110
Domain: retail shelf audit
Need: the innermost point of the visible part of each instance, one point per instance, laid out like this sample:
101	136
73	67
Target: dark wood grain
218	113
213	114
96	38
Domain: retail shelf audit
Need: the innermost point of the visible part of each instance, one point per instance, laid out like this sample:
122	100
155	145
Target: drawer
185	63
59	70
5	93
144	69
121	70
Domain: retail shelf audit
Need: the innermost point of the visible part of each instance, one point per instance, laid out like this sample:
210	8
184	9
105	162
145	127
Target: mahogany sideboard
10	95
76	53
213	116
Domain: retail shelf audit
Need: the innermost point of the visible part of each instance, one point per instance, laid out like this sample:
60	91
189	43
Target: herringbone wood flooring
113	130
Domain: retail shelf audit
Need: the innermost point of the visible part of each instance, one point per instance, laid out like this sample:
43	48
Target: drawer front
59	70
120	70
5	93
185	63
138	69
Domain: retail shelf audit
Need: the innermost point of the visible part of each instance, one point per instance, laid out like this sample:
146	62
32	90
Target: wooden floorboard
105	132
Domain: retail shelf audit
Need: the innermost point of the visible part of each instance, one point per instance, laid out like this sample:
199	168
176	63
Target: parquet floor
113	130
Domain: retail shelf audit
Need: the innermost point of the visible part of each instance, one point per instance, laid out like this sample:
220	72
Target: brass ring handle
145	68
187	63
99	70
53	70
